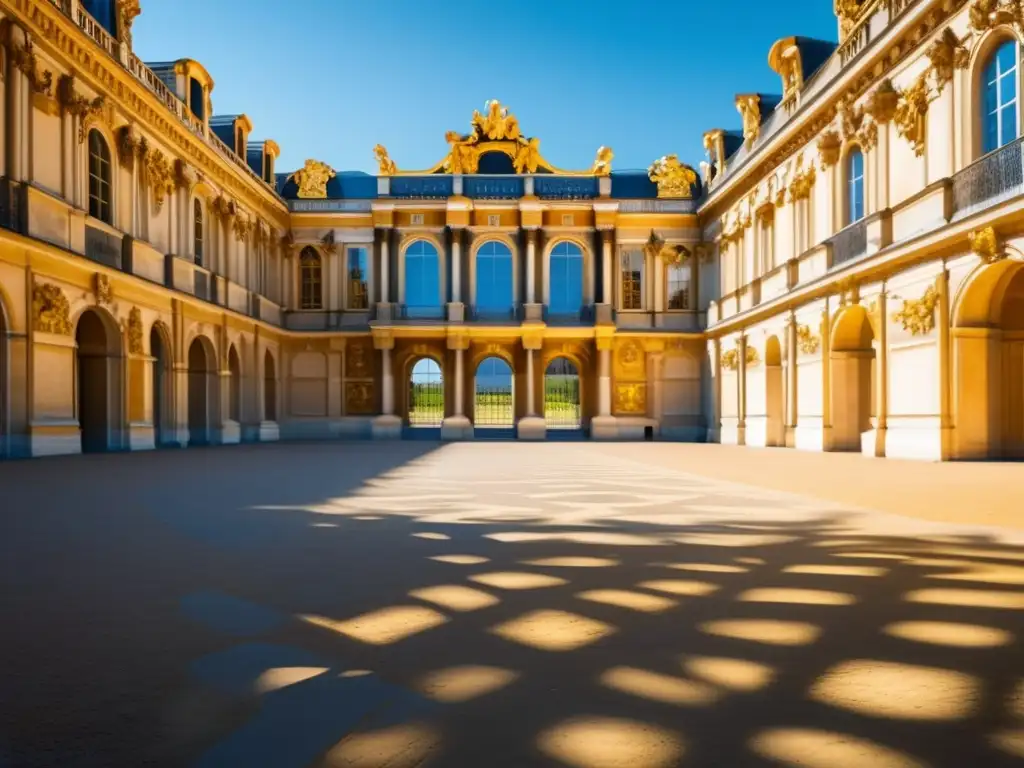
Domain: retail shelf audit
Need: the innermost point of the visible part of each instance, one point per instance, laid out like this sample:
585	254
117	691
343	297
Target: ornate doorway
492	397
426	394
562	395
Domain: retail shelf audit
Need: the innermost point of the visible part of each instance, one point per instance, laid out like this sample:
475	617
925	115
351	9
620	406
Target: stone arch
269	386
494	391
985	47
852	377
234	384
563	392
99	384
203	391
425	378
161	352
988	363
588	265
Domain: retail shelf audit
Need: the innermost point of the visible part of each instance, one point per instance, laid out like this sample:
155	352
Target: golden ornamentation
631	398
986	14
464	154
674	179
23	58
161	177
243	228
312	179
911	113
51	311
629	361
947	53
185	175
730	359
102	289
829	146
784	57
223	208
749	106
753	358
135	331
358	361
328	244
386	166
918	315
882	103
76	105
527	158
849	13
358	398
851	117
497	124
986	245
602	162
868	135
129	146
127	12
806	341
803	181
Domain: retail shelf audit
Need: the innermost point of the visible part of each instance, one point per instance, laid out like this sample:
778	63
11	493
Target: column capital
383	340
607	235
458	341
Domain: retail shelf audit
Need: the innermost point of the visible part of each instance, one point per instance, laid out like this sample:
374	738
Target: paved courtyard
501	605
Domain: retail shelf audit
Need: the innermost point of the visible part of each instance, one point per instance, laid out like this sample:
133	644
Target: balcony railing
491	314
850	243
997	176
421	313
583	316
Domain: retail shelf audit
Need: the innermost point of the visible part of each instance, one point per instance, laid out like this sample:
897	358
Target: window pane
494	278
1009	127
422	282
357	279
1007	88
1007	56
566	279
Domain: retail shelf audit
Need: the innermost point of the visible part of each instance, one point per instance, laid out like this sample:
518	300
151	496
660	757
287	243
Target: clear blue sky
328	79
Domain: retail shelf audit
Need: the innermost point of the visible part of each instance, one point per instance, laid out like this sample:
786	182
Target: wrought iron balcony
850	243
997	176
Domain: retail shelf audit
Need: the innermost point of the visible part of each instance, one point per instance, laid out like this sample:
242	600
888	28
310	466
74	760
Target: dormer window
197	98
239	142
268	168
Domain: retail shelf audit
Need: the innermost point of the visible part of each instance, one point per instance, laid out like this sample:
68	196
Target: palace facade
844	273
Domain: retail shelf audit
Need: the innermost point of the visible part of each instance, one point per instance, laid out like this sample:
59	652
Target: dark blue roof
254	157
633	184
346	185
813	53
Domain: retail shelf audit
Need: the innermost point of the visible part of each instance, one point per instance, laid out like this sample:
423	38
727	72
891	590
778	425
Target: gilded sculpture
23	58
947	54
986	14
161	177
631	398
753	358
849	12
911	113
102	289
243	228
749	106
312	179
134	332
882	102
803	180
359	398
806	341
602	162
986	245
497	124
51	311
918	315
527	157
128	145
674	179
127	12
358	361
730	359
829	147
385	165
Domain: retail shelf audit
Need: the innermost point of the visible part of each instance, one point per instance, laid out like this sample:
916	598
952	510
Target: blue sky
330	78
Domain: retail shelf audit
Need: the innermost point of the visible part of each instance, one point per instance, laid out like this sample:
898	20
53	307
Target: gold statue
603	162
674	179
464	157
387	165
527	156
497	124
312	179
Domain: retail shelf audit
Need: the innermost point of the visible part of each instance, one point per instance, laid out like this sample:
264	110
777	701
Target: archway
774	393
426	394
852	379
5	448
202	391
162	383
98	378
235	384
562	395
989	363
269	388
493	400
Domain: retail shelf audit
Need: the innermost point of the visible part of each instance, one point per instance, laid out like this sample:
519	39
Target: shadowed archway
98	381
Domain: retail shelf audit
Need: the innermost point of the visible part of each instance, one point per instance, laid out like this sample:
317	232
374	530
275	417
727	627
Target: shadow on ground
400	605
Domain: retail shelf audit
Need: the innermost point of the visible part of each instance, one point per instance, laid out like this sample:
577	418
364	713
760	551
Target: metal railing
494	315
850	243
997	176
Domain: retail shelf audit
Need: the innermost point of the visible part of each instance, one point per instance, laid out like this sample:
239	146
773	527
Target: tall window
632	279
312	296
99	178
999	81
855	185
197	230
357	279
566	275
422	280
494	278
679	286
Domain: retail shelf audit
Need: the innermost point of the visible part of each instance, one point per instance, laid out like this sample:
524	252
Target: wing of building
843	273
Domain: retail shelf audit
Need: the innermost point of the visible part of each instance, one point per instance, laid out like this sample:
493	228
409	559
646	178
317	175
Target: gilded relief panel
630	391
359	391
359	398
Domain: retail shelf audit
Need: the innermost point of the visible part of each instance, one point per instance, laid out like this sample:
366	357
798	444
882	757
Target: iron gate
562	395
426	394
492	398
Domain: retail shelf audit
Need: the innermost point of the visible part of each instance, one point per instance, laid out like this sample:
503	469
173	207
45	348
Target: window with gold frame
678	286
311	277
631	279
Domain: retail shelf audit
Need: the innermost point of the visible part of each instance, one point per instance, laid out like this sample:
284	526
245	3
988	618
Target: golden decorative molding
911	113
985	243
882	102
185	175
243	228
850	13
312	179
629	360
328	244
918	315
749	107
829	146
753	358
386	166
102	289
730	359
986	14
87	110
127	12
23	58
674	179
51	311
657	248
803	181
359	399
223	208
134	332
359	360
785	59
947	54
129	146
161	177
851	117
602	162
867	137
806	341
631	398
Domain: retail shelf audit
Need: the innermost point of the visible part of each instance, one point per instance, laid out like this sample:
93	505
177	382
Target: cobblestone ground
498	605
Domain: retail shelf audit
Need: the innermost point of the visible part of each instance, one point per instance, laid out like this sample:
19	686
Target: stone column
531	426
881	345
179	428
531	266
715	404
385	270
456	309
604	426
457	426
791	380
387	425
458	383
531	405
741	390
606	266
387	383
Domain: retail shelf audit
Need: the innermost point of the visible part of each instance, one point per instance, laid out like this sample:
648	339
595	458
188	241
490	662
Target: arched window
566	276
312	285
999	107
855	186
235	394
197	230
494	279
422	280
99	178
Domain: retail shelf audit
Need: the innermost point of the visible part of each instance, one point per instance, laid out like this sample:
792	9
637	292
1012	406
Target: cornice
63	39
